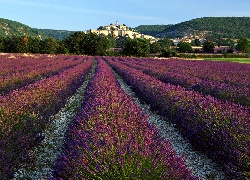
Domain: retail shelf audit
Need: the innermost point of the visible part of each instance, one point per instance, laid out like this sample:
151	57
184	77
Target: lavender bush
24	113
219	128
228	84
111	138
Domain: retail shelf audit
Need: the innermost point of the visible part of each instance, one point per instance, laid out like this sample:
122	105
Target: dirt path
198	162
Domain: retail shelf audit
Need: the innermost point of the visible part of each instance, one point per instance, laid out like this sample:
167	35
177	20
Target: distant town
116	30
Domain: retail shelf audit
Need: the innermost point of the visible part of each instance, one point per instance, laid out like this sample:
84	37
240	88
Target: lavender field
85	117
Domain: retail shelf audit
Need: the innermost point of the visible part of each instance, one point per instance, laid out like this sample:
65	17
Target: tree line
80	43
93	44
76	43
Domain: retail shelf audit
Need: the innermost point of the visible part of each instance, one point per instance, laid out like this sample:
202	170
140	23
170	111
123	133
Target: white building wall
119	30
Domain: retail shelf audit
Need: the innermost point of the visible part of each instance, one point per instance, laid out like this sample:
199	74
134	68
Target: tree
208	47
130	47
61	48
136	47
90	44
143	47
1	44
112	41
165	43
49	46
34	44
103	44
196	42
93	44
155	47
168	53
120	41
74	43
243	45
9	45
22	44
15	44
101	28
184	47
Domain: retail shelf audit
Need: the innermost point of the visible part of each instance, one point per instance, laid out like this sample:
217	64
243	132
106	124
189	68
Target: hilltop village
116	30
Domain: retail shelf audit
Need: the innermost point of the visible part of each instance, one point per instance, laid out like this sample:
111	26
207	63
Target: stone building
116	30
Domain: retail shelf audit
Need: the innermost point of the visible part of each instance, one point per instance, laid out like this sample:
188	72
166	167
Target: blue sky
79	15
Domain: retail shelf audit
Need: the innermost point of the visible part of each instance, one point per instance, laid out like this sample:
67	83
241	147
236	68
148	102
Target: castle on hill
117	30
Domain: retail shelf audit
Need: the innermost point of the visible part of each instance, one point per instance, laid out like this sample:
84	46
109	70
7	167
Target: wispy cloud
56	7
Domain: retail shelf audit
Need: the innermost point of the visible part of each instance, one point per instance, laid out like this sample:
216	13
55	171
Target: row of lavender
24	114
227	72
110	138
18	71
219	128
227	81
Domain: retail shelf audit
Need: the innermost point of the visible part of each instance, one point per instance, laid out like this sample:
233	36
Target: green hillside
57	34
10	28
152	30
215	27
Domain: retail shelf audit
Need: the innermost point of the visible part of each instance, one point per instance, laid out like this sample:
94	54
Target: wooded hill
10	28
214	27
